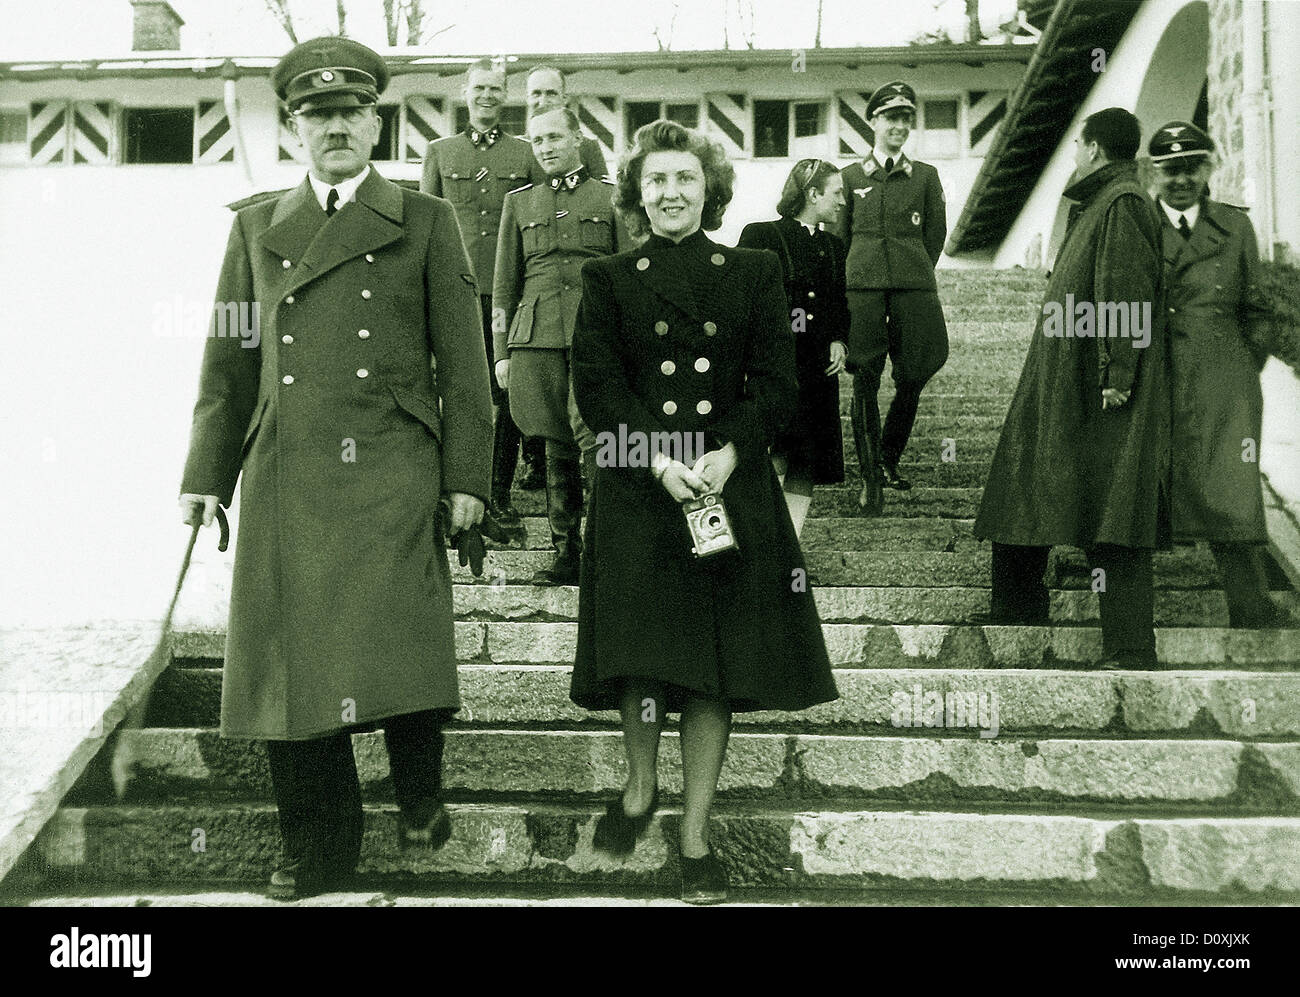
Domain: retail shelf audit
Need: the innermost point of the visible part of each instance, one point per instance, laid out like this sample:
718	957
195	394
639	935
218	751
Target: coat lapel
297	218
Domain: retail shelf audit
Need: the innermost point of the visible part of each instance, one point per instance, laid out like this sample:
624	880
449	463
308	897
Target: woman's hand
838	355
715	467
682	483
1113	398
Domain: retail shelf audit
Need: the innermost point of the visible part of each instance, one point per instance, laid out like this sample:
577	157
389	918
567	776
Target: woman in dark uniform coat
811	450
683	336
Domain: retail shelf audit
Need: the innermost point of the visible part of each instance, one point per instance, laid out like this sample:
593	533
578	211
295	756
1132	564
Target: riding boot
564	511
504	458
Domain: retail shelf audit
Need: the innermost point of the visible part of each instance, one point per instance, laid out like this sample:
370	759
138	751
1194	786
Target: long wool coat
341	601
812	265
1065	470
691	337
1217	328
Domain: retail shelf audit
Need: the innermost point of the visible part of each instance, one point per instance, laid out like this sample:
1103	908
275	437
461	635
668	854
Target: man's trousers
1126	593
318	794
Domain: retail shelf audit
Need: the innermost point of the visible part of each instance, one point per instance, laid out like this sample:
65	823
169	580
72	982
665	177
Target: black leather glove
468	542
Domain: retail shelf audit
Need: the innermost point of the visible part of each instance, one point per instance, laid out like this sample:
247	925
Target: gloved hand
468	542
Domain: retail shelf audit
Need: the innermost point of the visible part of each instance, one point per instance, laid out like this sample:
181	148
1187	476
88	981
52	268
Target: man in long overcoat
1218	334
474	170
894	223
340	609
1083	459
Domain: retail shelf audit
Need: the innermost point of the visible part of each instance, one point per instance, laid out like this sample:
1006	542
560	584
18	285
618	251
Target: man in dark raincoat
340	611
1083	459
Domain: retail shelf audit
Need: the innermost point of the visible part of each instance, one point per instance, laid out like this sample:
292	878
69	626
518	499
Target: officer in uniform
547	231
345	437
894	225
544	89
474	170
1218	334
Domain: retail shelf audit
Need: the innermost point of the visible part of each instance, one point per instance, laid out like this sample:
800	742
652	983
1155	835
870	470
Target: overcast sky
35	29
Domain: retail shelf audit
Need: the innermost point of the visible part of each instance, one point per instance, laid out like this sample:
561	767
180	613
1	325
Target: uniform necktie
1184	229
889	165
332	201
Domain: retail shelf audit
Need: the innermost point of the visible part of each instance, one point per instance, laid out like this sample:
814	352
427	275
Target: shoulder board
606	179
526	186
1235	207
251	199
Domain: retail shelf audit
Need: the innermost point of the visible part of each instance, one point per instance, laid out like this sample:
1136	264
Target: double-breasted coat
1217	330
893	225
691	337
812	265
345	436
1065	470
547	232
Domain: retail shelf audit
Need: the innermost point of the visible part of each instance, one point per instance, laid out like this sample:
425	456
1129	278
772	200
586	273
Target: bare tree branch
973	33
390	22
415	21
665	42
342	10
817	39
726	16
280	11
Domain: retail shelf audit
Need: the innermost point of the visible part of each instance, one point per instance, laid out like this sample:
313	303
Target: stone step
1194	569
945	402
864	645
172	765
1114	854
1240	704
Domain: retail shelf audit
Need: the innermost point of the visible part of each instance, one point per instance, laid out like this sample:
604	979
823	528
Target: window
637	113
158	135
939	135
13	136
387	147
771	128
514	119
687	115
809	120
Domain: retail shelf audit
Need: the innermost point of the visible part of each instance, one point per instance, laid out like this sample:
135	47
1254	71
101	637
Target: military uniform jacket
1067	471
894	226
546	235
1217	331
345	438
691	337
476	179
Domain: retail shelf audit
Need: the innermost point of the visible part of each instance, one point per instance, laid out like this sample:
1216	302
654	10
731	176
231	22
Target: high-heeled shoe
704	880
616	832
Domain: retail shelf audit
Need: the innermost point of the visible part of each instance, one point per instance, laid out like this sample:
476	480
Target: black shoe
564	570
1273	617
427	838
871	499
616	832
890	477
1128	661
504	513
534	478
704	881
291	882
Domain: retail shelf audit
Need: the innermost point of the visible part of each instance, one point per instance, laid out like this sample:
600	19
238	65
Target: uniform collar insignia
871	164
570	180
490	136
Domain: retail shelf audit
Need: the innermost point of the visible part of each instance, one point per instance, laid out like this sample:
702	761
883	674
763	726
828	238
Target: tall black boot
505	455
534	463
564	511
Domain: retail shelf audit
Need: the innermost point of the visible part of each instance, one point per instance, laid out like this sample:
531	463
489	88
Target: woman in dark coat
683	367
811	450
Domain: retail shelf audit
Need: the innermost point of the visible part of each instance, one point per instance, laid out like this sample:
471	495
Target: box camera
710	528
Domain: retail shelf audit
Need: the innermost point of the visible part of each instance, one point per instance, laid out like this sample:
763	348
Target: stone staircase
1035	781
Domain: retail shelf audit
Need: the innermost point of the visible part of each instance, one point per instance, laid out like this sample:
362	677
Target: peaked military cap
891	95
325	70
1177	140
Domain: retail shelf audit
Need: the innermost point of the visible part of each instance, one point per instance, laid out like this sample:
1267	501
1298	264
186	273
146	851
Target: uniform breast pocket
457	187
596	233
521	328
536	235
506	182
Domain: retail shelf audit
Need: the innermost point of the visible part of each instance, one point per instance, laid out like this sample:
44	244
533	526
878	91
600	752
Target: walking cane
222	543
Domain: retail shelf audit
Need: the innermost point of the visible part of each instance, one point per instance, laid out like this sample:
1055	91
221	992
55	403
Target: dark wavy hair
806	175
669	136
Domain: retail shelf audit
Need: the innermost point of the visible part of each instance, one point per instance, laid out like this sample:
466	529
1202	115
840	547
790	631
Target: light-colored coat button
286	339
363	373
363	333
717	259
643	263
286	264
287	379
661	327
670	407
704	407
365	294
370	257
702	364
289	300
812	294
668	367
710	329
